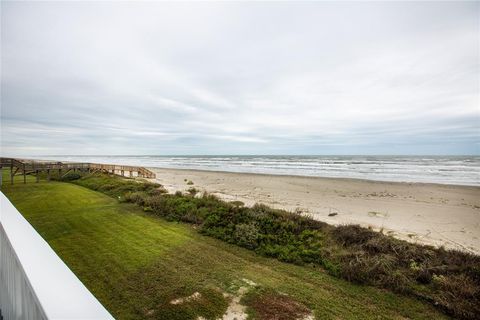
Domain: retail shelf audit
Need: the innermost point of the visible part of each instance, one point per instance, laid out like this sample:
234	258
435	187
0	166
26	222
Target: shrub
246	235
160	205
467	294
192	191
237	203
71	176
353	235
138	197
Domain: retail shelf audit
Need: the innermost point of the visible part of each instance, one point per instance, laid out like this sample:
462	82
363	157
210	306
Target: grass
450	280
135	264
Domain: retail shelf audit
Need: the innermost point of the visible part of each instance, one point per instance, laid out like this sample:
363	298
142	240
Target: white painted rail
34	282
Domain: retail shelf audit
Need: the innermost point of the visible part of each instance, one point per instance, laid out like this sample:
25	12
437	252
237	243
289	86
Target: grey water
459	170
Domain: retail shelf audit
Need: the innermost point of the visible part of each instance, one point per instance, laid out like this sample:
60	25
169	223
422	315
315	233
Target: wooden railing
122	170
32	166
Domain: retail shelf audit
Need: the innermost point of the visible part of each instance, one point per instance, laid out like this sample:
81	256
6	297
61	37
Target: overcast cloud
240	78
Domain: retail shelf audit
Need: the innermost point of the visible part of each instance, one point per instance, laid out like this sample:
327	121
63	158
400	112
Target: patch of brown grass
274	306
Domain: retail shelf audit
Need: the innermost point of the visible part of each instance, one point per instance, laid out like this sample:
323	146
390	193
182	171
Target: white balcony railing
34	282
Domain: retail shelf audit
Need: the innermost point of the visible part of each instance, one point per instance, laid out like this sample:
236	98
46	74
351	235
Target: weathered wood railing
24	167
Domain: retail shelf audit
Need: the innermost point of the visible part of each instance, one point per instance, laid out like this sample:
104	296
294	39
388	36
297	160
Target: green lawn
136	264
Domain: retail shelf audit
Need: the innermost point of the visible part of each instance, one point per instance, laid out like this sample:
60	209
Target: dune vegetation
267	261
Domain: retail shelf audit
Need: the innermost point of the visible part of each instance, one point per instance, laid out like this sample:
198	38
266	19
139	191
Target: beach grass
137	265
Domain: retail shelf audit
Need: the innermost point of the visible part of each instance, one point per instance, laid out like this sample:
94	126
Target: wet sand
434	214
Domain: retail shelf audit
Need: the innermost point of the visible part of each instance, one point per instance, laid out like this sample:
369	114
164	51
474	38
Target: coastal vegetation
448	279
167	260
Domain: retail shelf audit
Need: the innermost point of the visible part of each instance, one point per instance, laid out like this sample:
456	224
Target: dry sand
433	214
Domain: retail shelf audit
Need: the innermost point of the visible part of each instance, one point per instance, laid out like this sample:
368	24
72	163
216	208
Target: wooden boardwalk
24	167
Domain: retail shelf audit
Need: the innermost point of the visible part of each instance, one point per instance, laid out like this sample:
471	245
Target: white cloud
156	78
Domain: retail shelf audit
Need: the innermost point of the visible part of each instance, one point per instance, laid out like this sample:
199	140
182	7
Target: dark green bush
246	235
192	191
138	197
71	176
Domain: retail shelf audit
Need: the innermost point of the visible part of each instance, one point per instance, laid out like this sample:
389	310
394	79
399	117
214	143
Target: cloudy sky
240	78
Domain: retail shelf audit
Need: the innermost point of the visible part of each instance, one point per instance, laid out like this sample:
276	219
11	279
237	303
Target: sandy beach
434	214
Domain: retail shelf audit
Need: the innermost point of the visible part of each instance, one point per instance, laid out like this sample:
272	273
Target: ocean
459	170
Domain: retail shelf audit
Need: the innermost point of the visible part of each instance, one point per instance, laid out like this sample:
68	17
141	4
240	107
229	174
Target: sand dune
425	213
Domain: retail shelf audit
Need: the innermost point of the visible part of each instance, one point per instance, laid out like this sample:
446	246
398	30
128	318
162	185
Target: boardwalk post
36	173
11	171
48	174
24	174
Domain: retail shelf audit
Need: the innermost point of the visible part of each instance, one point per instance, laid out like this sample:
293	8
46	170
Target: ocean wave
463	170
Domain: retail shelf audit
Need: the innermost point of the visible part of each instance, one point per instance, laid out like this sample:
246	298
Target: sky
157	78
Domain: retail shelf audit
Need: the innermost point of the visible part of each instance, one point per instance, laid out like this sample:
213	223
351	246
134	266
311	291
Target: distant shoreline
450	170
